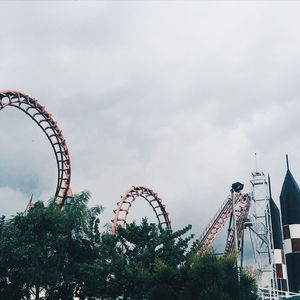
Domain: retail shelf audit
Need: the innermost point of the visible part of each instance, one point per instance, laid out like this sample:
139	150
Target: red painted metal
218	222
44	120
241	211
126	201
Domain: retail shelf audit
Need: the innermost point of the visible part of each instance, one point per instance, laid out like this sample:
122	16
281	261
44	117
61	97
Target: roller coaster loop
126	202
44	120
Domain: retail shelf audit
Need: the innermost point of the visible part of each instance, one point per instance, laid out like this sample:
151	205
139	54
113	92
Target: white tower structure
260	230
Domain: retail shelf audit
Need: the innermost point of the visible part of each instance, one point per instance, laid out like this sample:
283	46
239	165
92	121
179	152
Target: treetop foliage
53	253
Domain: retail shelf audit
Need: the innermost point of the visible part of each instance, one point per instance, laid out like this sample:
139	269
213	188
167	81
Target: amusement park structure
277	261
235	207
48	125
275	244
126	201
255	211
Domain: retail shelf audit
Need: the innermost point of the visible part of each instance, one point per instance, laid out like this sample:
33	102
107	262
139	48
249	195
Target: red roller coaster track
126	201
44	120
242	204
241	211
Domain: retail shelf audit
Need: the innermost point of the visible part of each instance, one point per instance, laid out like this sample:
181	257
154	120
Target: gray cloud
177	96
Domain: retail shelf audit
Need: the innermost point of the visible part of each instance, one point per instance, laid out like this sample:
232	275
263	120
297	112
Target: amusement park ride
277	260
44	120
126	201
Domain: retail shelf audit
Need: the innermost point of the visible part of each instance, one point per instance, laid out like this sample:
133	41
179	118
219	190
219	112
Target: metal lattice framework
241	204
127	200
260	230
241	211
44	120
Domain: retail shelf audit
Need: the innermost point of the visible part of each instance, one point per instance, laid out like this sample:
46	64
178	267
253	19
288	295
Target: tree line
53	253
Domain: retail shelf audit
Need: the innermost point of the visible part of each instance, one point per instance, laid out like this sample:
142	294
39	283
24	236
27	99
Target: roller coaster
126	201
32	108
240	211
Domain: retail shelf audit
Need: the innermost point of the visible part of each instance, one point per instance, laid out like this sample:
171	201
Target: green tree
142	254
212	277
50	251
61	254
162	291
166	282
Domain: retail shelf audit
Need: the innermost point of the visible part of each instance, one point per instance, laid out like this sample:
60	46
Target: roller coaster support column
236	187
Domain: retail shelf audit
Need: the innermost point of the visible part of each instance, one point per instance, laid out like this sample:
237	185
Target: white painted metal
261	233
271	294
294	231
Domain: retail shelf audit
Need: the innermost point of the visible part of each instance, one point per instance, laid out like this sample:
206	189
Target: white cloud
12	200
177	96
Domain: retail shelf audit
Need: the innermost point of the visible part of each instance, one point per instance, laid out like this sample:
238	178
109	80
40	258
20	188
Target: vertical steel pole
235	234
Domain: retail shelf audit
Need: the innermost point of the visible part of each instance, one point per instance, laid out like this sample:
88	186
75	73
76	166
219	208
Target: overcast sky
176	96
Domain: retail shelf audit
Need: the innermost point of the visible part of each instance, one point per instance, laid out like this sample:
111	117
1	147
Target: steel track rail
126	201
48	125
219	220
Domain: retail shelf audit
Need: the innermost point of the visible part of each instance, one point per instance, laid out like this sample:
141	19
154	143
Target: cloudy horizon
175	96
